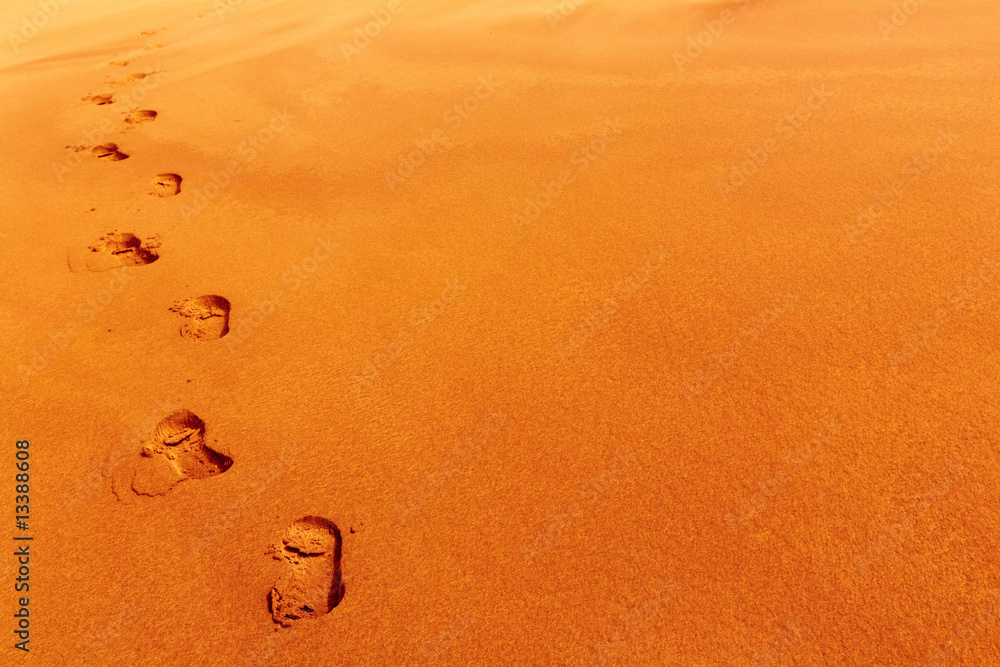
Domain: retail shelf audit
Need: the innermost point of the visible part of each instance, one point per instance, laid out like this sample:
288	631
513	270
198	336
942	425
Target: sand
597	333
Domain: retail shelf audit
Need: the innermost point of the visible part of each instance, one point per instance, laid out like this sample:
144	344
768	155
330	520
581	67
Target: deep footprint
114	250
175	452
108	152
166	185
140	116
205	318
311	583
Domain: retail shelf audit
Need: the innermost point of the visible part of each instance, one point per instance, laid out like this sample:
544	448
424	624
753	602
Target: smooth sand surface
496	300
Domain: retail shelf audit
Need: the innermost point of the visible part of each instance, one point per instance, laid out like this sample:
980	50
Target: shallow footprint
205	318
166	185
108	153
175	452
137	116
311	583
100	99
114	250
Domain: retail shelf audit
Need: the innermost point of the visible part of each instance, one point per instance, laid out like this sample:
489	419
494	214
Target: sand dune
590	332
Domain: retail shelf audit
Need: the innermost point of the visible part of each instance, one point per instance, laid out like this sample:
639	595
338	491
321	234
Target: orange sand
573	390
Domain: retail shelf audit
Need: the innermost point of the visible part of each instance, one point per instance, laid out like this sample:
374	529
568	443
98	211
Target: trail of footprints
178	449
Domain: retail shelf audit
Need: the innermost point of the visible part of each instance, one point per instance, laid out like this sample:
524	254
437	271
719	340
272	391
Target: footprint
108	152
166	185
137	76
107	98
175	452
137	116
206	317
114	250
119	63
311	584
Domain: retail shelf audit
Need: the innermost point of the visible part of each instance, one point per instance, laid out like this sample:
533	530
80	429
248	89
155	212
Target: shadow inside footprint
100	99
166	185
114	250
108	152
140	116
206	317
175	452
311	584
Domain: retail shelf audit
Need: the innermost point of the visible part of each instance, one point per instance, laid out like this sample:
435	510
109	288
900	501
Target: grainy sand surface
603	333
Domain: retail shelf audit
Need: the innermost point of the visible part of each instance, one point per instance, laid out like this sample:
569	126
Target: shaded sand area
637	333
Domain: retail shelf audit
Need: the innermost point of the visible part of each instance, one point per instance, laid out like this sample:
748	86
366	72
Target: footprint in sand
205	318
311	584
137	116
166	185
114	250
119	63
108	153
107	98
175	452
